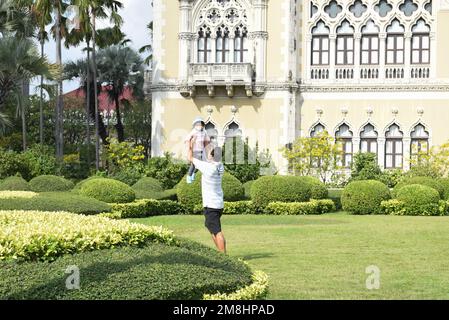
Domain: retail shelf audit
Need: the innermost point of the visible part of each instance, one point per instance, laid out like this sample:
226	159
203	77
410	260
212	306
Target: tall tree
121	67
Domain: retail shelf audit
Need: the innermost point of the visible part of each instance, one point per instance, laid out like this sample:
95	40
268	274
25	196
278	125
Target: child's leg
191	169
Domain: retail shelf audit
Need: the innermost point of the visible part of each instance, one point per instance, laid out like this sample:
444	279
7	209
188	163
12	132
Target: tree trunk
88	84
102	132
59	97
97	115
119	125
41	104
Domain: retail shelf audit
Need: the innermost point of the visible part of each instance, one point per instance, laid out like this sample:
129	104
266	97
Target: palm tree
148	48
120	67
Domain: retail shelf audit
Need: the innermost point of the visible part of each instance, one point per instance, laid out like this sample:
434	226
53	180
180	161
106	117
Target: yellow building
374	73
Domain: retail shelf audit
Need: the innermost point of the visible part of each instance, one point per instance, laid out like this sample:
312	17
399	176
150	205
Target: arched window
317	130
368	139
233	131
395	43
420	142
345	44
204	45
212	132
320	44
421	43
370	44
222	45
241	45
393	147
344	140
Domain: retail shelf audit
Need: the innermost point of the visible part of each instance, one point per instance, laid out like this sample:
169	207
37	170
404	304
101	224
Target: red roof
104	102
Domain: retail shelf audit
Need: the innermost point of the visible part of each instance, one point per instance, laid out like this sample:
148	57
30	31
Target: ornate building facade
374	73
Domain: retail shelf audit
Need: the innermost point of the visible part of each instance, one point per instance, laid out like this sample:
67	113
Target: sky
136	15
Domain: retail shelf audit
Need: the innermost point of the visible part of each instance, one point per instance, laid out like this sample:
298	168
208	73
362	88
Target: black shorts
213	223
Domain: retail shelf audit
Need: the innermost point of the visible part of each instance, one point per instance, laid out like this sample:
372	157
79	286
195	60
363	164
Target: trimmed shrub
247	186
318	189
167	170
190	194
147	188
154	271
364	197
444	182
145	208
78	186
335	196
419	200
425	181
15	184
54	202
129	175
17	194
280	189
232	208
12	163
49	183
300	208
108	190
398	208
44	236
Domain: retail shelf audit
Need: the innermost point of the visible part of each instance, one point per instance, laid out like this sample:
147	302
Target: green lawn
325	257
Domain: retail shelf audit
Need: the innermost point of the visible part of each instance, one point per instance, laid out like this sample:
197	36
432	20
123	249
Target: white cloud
136	15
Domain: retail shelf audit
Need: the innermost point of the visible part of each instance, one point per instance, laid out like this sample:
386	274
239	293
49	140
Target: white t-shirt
212	191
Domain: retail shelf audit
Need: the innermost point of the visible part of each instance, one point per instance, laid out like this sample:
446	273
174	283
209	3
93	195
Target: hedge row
300	208
145	208
107	190
400	208
44	236
49	183
54	202
152	272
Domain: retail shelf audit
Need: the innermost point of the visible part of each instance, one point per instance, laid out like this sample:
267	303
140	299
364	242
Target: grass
325	257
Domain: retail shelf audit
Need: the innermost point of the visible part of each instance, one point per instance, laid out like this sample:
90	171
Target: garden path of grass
325	257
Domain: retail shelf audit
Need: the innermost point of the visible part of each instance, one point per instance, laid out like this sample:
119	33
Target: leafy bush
299	208
50	183
317	189
232	208
12	163
44	236
147	188
425	181
154	271
40	160
335	196
145	208
444	182
78	186
108	190
365	167
364	197
280	189
57	201
166	170
190	194
15	184
247	186
419	200
129	175
17	194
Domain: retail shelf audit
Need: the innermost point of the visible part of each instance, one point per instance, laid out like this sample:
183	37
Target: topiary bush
15	184
78	186
444	182
247	186
50	183
425	181
108	190
335	196
364	197
318	189
300	208
190	194
419	200
147	188
280	189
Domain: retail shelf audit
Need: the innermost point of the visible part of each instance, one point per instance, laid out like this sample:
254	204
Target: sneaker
193	177
189	179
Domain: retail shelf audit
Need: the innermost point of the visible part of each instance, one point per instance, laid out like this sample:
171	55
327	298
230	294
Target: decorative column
433	55
308	62
357	54
332	55
259	36
231	47
382	55
213	48
381	152
406	148
185	39
407	54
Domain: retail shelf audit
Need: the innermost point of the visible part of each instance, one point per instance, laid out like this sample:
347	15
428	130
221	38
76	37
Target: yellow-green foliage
33	235
298	208
255	291
17	194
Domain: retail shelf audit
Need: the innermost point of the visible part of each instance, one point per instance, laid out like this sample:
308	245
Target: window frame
345	50
224	52
420	50
394	154
370	50
243	50
320	50
369	141
395	49
205	50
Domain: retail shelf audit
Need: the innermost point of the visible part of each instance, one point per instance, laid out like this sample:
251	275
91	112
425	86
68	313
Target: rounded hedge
317	188
444	182
419	199
280	188
147	188
190	194
78	186
108	190
50	183
364	197
15	184
247	186
425	181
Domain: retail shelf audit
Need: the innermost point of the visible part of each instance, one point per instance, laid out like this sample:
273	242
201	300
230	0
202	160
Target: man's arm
190	151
